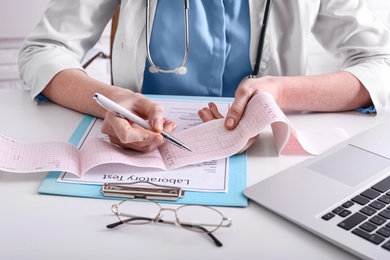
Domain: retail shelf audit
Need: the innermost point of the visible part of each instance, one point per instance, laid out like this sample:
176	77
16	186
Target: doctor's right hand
129	135
74	89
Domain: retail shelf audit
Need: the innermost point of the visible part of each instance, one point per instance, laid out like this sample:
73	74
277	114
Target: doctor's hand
245	91
211	112
74	89
129	135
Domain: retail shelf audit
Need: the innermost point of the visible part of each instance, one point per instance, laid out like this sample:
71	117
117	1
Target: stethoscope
181	69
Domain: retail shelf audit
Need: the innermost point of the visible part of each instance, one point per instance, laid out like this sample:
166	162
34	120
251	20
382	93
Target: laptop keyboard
371	219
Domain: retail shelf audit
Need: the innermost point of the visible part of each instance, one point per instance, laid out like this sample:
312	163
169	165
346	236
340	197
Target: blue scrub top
218	58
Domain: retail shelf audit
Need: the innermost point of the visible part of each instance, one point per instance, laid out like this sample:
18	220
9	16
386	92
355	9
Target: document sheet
211	176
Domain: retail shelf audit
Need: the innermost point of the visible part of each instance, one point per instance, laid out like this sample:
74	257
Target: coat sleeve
354	34
66	31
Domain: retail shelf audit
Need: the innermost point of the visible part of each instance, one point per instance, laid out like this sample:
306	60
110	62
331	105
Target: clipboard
234	197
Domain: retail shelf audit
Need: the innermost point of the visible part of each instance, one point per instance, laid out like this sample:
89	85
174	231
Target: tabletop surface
35	226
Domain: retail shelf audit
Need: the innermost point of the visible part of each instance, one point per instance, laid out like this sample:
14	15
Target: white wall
19	17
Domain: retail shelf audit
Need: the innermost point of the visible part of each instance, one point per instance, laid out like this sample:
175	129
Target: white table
34	226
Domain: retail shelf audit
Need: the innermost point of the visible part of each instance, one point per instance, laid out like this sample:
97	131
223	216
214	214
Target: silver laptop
342	195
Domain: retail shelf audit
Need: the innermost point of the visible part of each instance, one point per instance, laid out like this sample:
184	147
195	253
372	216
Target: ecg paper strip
208	141
38	157
212	140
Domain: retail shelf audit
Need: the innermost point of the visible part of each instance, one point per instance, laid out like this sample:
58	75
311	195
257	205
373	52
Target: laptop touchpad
350	165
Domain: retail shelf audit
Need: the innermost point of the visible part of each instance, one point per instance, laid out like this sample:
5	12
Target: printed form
211	176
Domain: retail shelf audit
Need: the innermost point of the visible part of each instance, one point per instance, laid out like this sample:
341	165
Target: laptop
341	195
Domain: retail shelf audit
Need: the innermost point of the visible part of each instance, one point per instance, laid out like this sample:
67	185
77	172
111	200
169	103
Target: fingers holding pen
149	110
136	134
154	113
128	135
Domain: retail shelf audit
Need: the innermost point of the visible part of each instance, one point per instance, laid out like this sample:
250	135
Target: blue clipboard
234	197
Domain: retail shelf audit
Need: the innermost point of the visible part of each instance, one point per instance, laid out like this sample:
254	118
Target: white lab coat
347	29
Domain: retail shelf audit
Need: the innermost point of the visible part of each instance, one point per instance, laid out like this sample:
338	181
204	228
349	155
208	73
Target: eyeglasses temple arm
129	220
216	241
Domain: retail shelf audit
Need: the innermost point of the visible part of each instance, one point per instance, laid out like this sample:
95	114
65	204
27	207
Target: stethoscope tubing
181	69
264	26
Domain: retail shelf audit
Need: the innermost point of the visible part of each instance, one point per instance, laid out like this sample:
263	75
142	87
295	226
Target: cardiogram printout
205	168
210	175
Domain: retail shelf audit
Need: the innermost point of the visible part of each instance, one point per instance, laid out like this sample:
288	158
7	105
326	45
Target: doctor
154	54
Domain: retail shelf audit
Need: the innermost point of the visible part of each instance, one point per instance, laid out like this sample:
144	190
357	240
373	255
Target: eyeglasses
198	218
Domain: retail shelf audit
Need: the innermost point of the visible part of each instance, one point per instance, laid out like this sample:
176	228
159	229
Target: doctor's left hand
211	112
245	91
129	135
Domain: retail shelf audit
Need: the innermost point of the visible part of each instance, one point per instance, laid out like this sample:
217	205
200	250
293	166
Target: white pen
124	113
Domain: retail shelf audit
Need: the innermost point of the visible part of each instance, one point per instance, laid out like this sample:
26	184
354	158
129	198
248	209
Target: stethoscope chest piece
179	70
